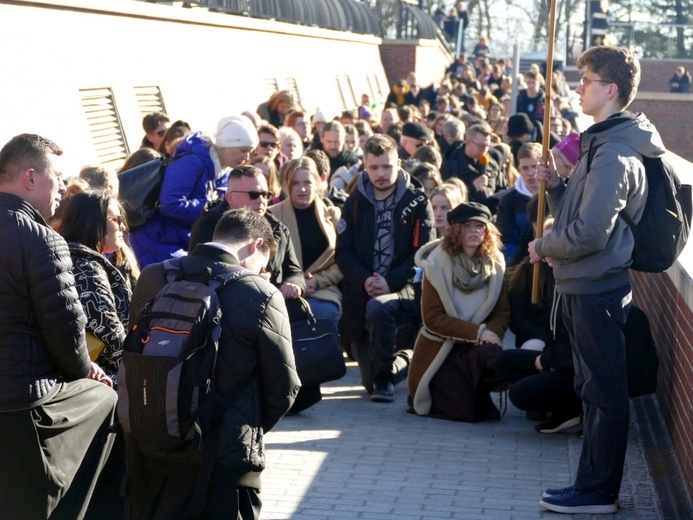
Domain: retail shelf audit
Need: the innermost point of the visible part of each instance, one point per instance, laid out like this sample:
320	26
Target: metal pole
545	142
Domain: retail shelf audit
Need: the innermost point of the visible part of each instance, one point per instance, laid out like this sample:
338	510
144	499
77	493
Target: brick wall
655	74
671	320
425	57
672	115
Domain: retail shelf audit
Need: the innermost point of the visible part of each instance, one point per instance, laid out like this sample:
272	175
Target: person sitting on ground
465	314
343	162
384	222
414	135
247	188
313	228
154	125
196	176
512	218
93	226
540	370
443	199
470	162
275	109
269	169
290	145
332	194
428	175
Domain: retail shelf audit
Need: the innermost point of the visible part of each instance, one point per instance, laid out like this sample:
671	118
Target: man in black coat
383	224
247	188
57	408
255	375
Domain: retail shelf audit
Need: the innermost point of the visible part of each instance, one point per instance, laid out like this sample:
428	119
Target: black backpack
662	232
166	398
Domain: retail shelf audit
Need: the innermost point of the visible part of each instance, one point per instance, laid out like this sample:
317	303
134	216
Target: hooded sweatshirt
590	246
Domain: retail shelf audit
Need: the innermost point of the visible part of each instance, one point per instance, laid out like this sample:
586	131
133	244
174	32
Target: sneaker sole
563	426
597	509
381	399
547	495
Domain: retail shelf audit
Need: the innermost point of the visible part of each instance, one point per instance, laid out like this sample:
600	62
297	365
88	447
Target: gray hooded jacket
590	246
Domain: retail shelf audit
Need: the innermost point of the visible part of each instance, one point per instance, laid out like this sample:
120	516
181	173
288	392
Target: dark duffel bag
318	354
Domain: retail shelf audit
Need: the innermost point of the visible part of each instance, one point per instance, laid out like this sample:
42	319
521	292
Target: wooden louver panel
104	124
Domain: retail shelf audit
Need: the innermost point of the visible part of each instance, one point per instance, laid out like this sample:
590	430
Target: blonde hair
451	192
302	163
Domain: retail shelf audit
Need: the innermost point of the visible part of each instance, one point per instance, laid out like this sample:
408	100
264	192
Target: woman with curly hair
465	313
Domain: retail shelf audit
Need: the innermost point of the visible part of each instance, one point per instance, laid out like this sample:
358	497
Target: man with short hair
154	125
247	188
332	137
470	162
592	249
512	220
255	377
268	145
57	407
383	224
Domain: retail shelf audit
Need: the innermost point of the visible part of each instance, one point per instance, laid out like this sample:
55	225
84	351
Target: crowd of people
412	230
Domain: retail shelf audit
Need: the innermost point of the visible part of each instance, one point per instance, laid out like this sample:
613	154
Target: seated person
247	188
512	209
384	222
465	314
541	369
443	199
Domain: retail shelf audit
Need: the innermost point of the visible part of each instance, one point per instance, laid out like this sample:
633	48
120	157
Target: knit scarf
469	274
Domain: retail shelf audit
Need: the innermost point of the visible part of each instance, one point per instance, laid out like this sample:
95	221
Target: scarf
469	274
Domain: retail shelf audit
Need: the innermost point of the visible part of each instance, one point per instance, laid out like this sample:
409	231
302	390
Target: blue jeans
595	323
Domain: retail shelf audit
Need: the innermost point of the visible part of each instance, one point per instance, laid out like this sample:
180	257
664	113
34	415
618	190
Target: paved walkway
349	458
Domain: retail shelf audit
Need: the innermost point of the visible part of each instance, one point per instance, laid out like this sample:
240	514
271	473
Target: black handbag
318	354
139	191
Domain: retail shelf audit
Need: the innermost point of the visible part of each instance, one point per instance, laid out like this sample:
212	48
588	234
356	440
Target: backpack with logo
663	229
166	390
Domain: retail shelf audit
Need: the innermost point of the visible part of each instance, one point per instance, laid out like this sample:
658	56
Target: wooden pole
545	142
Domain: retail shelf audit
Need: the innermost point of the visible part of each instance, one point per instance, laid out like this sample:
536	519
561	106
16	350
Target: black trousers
51	456
531	390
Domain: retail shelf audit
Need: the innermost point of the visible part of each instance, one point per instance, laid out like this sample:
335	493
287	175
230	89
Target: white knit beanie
236	132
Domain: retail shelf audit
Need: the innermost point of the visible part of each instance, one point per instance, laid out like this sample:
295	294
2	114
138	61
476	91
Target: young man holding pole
591	248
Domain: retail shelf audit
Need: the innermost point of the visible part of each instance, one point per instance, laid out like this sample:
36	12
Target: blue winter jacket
182	198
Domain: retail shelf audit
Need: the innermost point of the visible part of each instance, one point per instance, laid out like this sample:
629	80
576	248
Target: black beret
416	130
519	124
469	211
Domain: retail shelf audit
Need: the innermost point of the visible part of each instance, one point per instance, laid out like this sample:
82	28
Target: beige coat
442	328
324	270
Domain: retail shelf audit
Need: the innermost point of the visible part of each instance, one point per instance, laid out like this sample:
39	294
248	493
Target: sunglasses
254	195
120	220
267	144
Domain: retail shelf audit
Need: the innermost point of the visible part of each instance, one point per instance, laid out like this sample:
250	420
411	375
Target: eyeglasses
267	144
254	195
479	145
120	220
585	82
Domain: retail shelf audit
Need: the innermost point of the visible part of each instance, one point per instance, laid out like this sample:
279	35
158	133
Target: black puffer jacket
41	319
105	297
283	265
255	346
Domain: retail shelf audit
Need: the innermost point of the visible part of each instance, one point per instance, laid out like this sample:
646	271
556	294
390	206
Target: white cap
236	132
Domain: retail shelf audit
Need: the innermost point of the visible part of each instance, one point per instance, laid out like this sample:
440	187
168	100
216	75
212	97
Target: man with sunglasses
247	188
591	248
154	125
